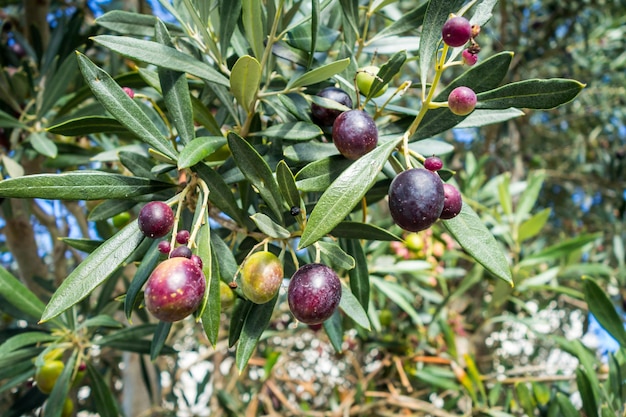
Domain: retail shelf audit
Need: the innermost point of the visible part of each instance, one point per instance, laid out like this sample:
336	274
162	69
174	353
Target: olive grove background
446	337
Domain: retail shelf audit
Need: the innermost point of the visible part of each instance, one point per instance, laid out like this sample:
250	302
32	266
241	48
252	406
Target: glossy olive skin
227	296
324	116
175	289
354	134
155	219
456	31
365	78
314	293
416	199
452	204
261	277
462	101
47	374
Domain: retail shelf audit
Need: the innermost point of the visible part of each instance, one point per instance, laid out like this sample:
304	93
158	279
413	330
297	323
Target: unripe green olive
365	78
261	277
47	374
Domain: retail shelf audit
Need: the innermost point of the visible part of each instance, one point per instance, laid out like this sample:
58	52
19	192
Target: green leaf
525	398
315	19
601	306
104	399
6	120
310	151
256	170
11	167
129	23
566	407
57	83
480	117
437	12
359	275
252	17
408	22
559	250
23	340
398	295
528	198
229	12
357	230
87	125
531	227
287	184
238	318
255	323
198	149
220	193
162	56
318	175
532	94
20	297
101	320
353	309
587	393
145	268
300	131
269	227
212	312
60	392
245	79
175	92
159	338
202	114
16	356
94	270
122	107
319	74
79	185
334	329
345	192
334	256
42	144
474	237
387	72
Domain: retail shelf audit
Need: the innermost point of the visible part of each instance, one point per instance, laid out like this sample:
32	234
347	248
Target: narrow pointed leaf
130	23
345	192
20	297
269	227
56	400
255	323
256	170
409	21
6	120
334	256
229	12
245	79
474	237
104	399
212	311
161	56
79	185
359	275
147	265
220	193
532	94
602	308
43	145
334	329
357	230
387	72
122	107
159	338
320	74
252	17
350	305
198	149
87	125
94	270
287	184
292	131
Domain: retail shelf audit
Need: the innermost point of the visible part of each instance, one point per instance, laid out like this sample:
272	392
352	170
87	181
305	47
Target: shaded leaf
352	308
532	94
386	73
291	131
87	125
104	399
334	256
359	275
269	227
287	184
159	338
20	297
43	145
604	311
145	268
252	17
319	74
212	312
23	340
408	22
130	23
256	321
334	330
357	230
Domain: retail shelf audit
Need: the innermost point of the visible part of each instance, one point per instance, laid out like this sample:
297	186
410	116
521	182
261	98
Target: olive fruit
156	219
175	289
433	163
261	277
47	374
365	78
469	58
182	237
462	101
416	199
452	202
314	293
325	116
354	134
227	296
181	252
456	31
164	247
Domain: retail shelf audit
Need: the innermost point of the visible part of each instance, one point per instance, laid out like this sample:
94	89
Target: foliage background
574	155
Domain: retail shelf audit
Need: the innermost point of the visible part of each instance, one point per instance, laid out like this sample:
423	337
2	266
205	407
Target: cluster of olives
48	373
176	287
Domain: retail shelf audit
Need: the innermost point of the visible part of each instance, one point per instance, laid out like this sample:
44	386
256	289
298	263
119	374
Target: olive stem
179	210
203	209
